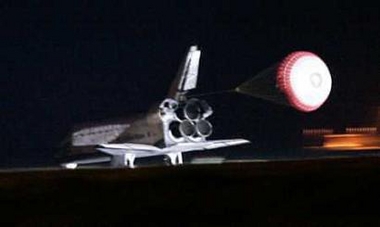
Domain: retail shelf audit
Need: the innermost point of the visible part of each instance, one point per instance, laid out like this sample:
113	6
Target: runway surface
319	192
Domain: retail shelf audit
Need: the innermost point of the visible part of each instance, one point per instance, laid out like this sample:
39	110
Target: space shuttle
180	124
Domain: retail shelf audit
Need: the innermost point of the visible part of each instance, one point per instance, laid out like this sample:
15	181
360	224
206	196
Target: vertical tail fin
187	75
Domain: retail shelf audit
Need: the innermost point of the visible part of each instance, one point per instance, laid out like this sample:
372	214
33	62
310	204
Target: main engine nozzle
301	80
203	128
187	128
196	109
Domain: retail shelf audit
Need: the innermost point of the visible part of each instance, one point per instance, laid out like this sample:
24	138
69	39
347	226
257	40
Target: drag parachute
301	80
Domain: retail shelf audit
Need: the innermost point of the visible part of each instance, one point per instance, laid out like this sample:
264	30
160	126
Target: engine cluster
185	121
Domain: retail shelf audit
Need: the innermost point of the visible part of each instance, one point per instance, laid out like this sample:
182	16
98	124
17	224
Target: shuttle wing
205	145
131	151
142	150
139	150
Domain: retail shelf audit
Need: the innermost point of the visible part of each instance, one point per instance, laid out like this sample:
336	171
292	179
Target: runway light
317	131
371	130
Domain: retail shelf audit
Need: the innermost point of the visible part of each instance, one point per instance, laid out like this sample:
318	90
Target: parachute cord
213	93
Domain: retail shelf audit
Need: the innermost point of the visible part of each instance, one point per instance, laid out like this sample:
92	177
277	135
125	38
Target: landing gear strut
129	160
175	158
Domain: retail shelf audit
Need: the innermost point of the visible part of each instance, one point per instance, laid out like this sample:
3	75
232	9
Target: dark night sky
63	64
